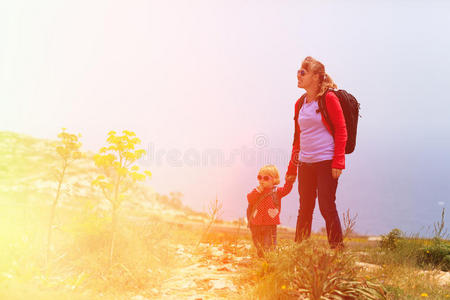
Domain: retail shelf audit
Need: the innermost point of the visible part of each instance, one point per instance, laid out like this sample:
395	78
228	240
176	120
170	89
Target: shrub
312	271
391	240
436	255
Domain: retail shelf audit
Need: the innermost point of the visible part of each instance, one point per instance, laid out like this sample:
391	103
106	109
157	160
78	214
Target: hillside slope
28	167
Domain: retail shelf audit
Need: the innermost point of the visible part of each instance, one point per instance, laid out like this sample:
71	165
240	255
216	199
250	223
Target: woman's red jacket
340	134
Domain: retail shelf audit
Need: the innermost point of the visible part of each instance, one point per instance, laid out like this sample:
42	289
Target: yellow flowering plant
68	150
117	163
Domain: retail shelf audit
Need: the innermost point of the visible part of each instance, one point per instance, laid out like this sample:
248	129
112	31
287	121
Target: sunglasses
302	72
265	177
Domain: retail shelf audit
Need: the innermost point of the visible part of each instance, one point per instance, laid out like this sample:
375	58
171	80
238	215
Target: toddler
264	207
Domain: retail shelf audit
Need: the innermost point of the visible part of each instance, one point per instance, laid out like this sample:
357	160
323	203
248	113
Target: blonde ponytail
326	83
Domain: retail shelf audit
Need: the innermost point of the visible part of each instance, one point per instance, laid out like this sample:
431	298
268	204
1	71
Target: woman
318	150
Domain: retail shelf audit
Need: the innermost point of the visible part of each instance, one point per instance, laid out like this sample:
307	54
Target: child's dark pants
316	179
264	237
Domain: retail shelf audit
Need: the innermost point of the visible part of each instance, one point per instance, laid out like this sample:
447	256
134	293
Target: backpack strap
323	110
255	205
298	106
275	199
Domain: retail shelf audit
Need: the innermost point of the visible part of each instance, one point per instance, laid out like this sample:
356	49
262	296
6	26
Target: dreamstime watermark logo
258	154
260	141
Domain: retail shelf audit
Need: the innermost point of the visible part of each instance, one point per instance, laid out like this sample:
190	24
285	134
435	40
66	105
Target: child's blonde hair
272	171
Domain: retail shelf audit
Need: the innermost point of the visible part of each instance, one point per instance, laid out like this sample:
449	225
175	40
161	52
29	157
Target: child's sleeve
253	196
286	189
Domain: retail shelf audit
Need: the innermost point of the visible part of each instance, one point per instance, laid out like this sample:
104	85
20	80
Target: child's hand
260	188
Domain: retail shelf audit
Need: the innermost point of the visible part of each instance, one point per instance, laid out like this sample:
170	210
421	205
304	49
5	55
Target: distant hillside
28	167
27	177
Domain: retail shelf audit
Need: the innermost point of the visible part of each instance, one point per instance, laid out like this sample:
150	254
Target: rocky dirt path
209	272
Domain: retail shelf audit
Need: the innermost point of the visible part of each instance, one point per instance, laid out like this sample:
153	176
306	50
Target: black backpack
350	108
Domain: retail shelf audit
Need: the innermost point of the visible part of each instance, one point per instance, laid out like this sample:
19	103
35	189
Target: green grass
310	271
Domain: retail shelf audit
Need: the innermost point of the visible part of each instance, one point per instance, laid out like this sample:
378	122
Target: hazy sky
201	79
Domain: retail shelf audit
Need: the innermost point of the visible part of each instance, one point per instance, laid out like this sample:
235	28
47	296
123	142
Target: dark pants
264	237
315	179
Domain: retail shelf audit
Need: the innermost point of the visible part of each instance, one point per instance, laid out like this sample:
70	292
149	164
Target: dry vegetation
165	251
